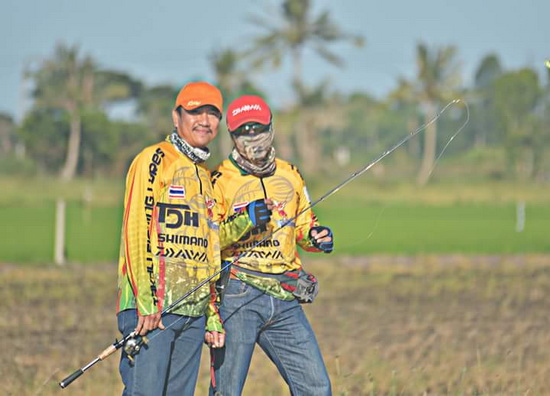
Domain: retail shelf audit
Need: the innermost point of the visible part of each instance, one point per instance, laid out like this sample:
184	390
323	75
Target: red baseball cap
247	108
197	94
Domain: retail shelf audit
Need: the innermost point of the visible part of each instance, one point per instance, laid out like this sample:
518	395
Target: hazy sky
169	41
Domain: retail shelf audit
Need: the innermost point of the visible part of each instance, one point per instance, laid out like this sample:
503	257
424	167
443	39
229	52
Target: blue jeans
169	363
282	331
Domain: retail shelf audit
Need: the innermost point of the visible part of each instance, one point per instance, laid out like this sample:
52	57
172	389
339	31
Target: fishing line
358	241
325	196
137	341
453	136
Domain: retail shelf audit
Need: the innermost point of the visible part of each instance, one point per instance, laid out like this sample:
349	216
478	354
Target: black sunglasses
251	128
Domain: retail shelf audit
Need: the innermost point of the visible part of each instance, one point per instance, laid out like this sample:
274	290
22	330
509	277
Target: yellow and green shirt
234	189
171	236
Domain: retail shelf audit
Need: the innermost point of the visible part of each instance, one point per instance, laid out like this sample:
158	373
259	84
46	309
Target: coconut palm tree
437	81
294	31
230	78
289	31
73	83
65	81
232	82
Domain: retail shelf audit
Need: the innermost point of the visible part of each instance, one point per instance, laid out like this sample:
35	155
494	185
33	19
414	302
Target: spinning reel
133	345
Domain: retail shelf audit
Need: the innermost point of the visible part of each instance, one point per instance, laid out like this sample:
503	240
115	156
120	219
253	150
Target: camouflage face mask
255	153
254	148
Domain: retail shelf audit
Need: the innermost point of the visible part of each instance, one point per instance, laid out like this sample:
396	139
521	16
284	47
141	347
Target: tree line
69	130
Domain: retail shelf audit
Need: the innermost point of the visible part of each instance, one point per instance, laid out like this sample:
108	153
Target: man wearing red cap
170	243
261	299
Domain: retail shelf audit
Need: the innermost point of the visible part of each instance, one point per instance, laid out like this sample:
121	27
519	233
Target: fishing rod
133	342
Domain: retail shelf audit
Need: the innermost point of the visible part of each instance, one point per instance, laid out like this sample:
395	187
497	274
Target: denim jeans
169	363
281	329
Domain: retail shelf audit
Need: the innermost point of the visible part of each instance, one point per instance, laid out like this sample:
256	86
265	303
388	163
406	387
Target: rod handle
108	351
67	381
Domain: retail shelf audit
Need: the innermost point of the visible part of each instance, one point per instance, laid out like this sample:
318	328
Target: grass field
415	229
387	325
368	217
93	233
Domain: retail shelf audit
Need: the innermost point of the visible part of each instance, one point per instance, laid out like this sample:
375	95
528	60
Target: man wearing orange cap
170	243
261	300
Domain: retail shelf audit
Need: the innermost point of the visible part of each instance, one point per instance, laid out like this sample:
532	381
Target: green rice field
93	233
367	216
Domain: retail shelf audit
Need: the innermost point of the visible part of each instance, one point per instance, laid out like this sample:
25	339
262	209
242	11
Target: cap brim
194	107
265	120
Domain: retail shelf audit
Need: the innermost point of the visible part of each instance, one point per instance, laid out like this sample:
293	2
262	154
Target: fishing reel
133	345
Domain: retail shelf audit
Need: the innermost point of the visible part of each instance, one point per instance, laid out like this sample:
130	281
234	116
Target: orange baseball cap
197	94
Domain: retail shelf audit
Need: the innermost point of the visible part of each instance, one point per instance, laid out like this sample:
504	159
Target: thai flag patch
176	192
239	207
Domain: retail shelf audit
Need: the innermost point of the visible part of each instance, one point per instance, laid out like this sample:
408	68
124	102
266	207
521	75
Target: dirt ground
386	325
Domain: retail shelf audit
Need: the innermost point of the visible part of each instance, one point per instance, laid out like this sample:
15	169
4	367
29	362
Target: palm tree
65	82
294	31
73	83
438	78
225	63
231	82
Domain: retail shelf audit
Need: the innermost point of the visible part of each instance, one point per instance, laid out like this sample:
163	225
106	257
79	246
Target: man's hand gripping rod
135	346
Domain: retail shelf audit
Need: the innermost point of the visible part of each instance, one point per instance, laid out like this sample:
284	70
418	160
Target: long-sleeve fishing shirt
171	237
234	189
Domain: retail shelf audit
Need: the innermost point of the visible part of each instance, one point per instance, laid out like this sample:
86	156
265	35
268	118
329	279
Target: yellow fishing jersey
234	189
170	234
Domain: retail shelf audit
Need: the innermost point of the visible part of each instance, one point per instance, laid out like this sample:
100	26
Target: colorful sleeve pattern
139	218
213	319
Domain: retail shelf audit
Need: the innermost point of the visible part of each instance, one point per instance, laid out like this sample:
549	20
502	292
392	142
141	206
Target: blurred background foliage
87	121
71	132
86	124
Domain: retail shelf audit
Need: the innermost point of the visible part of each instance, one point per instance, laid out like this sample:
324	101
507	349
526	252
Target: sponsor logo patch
254	107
